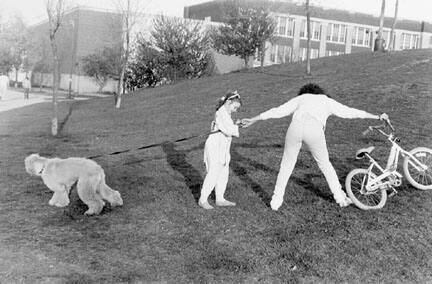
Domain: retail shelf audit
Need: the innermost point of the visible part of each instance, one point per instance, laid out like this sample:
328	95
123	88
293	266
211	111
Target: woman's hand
384	117
246	122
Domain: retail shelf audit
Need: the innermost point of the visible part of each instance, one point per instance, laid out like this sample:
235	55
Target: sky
34	10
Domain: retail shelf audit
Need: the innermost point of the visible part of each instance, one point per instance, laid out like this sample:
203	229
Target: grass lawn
161	235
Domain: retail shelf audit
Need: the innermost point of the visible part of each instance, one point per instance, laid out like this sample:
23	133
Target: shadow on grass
177	159
241	173
65	120
178	162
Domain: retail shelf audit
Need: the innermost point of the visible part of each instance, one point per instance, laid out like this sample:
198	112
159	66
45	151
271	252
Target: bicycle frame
390	171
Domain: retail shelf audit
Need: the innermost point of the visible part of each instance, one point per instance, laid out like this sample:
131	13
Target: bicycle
368	188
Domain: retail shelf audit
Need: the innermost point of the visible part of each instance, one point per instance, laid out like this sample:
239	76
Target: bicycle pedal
392	193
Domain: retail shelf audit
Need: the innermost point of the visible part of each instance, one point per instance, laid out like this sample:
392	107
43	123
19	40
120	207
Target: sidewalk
14	98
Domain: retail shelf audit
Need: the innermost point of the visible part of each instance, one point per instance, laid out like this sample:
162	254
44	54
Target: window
336	33
303	52
360	36
316	30
332	53
409	41
415	41
342	34
386	36
303	29
282	25
285	26
291	25
280	54
329	31
314	53
367	37
288	54
273	54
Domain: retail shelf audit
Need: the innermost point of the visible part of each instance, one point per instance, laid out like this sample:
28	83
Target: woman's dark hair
311	88
230	96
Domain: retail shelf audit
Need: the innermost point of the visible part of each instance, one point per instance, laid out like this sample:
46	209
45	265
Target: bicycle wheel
421	179
355	184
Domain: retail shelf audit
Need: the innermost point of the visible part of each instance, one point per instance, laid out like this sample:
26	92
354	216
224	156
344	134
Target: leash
153	145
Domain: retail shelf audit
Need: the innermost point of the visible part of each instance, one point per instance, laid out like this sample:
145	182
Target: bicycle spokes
421	171
359	189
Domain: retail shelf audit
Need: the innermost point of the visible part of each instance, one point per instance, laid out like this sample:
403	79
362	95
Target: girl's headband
229	96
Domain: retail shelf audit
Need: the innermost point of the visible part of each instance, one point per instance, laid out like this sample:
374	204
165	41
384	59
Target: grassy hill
161	235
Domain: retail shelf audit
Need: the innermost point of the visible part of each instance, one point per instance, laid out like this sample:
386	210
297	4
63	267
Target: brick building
83	31
87	30
333	31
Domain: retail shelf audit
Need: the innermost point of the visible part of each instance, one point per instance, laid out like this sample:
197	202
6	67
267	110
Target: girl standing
217	150
310	109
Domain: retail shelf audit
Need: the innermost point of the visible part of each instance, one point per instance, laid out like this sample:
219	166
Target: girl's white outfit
217	155
308	124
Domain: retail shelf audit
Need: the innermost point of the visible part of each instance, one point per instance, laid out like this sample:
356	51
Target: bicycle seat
361	153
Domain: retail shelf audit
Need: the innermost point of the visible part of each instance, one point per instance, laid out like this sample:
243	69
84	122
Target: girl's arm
344	111
226	125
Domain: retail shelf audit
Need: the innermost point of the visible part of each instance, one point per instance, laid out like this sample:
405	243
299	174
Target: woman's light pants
309	131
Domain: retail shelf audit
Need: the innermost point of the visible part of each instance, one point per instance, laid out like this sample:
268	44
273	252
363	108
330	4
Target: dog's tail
107	193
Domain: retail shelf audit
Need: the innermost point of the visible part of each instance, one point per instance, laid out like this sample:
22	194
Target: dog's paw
62	203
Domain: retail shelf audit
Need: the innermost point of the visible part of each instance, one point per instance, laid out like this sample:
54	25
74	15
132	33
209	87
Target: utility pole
308	67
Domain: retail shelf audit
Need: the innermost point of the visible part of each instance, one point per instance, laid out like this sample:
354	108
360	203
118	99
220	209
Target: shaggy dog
60	174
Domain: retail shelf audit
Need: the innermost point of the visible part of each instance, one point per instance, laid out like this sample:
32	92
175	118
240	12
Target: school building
333	31
86	30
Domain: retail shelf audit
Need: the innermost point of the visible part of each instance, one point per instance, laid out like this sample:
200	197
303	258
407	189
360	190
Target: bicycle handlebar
379	127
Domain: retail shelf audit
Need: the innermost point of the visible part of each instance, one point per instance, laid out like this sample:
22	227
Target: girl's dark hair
311	88
230	96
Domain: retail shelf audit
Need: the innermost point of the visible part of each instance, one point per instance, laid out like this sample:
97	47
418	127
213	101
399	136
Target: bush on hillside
147	68
102	65
184	47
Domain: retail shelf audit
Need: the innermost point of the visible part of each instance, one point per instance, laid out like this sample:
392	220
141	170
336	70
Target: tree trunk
262	54
246	60
119	89
379	41
308	67
16	78
40	83
54	119
390	43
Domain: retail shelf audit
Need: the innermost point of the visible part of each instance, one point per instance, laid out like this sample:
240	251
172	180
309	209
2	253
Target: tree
245	31
379	41
6	60
55	10
264	26
102	65
129	12
38	58
148	68
390	43
14	45
184	47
